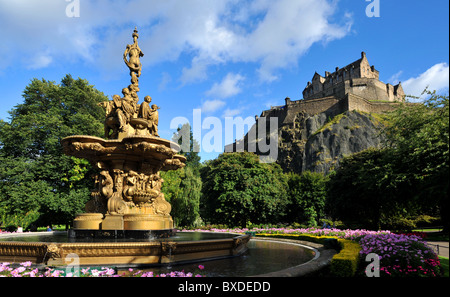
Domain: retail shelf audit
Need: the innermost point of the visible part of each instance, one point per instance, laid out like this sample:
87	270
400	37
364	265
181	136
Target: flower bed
25	270
338	233
401	255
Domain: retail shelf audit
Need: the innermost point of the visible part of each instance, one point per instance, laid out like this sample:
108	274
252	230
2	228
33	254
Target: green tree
171	185
189	146
185	206
35	175
408	177
238	189
183	187
419	133
364	190
308	193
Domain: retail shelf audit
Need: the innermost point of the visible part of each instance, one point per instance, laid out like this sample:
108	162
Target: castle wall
371	89
279	112
355	102
330	105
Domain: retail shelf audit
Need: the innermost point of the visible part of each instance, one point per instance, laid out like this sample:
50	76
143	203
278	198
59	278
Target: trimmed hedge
343	264
305	237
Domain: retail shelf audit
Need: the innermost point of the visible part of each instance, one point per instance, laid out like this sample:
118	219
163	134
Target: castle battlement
358	78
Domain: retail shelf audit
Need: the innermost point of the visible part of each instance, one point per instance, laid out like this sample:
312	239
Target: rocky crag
317	143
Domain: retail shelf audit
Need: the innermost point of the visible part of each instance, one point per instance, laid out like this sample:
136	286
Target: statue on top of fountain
124	115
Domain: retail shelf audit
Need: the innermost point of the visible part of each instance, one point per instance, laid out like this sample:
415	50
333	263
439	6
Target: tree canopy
238	189
35	176
307	193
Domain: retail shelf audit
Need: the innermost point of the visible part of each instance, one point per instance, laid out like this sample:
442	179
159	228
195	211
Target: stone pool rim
322	256
321	259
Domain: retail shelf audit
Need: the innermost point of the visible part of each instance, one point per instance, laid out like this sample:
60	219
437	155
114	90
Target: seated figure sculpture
150	114
124	115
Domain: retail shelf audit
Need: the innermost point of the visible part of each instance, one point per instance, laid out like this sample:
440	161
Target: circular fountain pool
262	257
61	237
223	254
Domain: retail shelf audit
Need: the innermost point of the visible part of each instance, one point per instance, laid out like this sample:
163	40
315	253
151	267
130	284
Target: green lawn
444	264
54	228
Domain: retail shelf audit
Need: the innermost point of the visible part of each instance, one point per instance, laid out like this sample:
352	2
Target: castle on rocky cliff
355	87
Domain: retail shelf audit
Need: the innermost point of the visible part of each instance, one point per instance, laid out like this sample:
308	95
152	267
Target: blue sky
228	58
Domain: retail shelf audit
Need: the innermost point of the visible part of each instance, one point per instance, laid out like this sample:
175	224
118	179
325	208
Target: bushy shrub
426	221
399	223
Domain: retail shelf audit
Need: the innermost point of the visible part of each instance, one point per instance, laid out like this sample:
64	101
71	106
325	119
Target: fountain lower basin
58	249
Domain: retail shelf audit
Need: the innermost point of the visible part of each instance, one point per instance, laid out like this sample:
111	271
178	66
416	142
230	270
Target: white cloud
197	72
288	29
395	78
272	34
435	78
211	106
165	80
228	87
41	60
231	112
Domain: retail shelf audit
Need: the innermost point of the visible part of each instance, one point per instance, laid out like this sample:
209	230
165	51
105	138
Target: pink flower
26	264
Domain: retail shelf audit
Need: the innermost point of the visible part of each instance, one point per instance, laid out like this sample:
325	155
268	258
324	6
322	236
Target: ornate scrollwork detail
168	247
162	206
53	251
240	241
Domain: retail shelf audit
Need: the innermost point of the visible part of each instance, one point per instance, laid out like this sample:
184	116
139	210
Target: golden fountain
127	221
127	196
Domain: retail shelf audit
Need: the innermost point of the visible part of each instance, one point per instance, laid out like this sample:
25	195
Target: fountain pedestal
127	193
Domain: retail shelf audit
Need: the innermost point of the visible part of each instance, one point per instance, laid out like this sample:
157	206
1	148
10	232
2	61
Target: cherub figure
153	120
